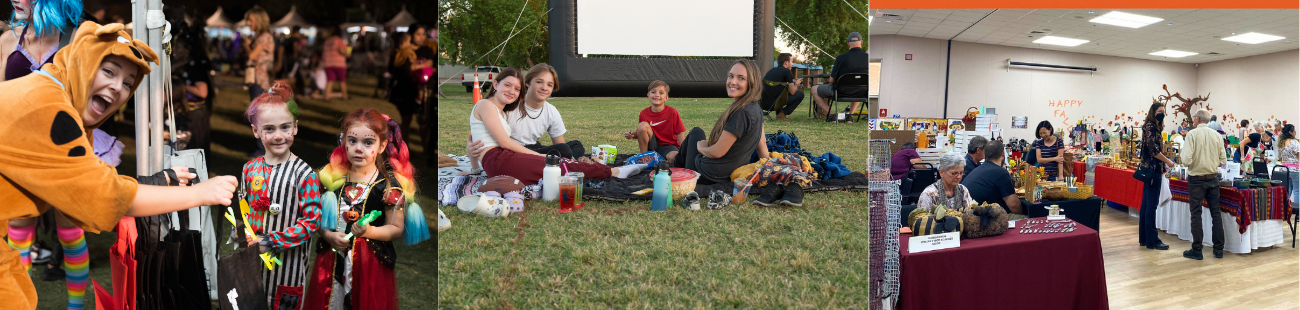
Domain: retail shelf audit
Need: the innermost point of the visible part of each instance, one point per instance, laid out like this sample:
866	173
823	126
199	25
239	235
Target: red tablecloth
1011	271
1248	205
1116	185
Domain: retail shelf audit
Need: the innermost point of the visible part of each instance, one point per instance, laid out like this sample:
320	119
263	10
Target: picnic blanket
462	165
450	189
1247	206
620	190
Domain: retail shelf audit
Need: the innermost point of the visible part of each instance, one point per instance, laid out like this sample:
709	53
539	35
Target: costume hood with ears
46	153
75	65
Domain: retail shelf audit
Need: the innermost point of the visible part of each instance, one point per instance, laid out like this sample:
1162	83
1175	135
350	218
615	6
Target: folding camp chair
916	181
850	80
780	100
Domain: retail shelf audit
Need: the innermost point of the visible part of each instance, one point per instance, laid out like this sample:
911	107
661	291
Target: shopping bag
121	259
201	220
239	278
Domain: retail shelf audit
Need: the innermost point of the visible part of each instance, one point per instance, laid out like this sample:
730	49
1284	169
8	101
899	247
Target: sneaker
771	195
42	256
443	222
718	199
54	274
793	195
691	201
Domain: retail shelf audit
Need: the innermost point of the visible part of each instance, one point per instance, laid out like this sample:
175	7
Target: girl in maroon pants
504	156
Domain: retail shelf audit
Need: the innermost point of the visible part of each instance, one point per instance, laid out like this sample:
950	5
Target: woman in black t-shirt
735	136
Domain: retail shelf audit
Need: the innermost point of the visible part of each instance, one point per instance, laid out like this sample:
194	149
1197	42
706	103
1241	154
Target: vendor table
1252	218
1011	271
1085	211
1115	184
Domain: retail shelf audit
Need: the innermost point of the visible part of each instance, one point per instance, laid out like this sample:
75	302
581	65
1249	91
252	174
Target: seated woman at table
948	191
904	160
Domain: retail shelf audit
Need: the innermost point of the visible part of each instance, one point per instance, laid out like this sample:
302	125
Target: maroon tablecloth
1011	271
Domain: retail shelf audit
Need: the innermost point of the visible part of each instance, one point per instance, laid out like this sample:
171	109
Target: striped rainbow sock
20	238
76	263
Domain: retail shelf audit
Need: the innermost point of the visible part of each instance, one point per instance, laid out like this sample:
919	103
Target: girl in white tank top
515	160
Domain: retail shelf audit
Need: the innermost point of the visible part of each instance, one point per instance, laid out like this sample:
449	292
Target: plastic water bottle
551	178
663	194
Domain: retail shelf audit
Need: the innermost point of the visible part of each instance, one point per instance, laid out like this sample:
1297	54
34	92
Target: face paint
362	146
276	129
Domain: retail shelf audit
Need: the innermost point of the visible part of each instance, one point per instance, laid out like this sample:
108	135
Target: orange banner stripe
1094	4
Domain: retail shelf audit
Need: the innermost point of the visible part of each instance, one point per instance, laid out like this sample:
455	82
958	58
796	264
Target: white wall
1256	87
910	88
979	77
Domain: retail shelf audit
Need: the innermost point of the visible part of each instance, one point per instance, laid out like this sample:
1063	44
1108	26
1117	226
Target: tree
470	29
825	24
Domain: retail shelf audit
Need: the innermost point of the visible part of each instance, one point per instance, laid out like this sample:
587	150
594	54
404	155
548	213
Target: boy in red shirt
660	128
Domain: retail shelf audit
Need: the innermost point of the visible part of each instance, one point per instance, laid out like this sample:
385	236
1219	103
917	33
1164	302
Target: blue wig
50	16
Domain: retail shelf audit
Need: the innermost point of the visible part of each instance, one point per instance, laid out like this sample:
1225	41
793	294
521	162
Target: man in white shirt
1203	154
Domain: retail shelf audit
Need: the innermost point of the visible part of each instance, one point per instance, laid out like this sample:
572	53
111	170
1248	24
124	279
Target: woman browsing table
1153	158
1048	151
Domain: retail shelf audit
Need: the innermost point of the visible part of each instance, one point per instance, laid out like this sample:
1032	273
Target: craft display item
1041	226
970	115
942	220
983	220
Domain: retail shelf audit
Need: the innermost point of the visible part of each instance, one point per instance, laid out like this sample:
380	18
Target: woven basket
1081	192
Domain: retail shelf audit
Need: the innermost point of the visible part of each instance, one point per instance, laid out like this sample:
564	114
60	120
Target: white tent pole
156	95
141	99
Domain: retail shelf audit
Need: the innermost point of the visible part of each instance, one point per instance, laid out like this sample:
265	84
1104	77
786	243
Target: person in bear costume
46	156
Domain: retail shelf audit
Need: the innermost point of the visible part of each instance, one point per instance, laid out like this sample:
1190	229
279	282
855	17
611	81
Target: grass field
609	255
232	140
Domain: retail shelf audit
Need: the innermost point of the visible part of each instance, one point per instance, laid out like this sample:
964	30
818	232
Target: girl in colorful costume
369	173
283	193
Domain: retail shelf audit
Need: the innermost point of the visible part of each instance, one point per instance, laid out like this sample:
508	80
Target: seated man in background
991	183
974	153
854	61
781	79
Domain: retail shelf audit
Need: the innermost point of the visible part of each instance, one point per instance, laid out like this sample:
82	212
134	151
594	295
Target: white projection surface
666	27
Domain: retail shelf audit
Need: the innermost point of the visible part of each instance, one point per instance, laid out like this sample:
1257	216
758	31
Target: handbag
1145	174
986	220
942	220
